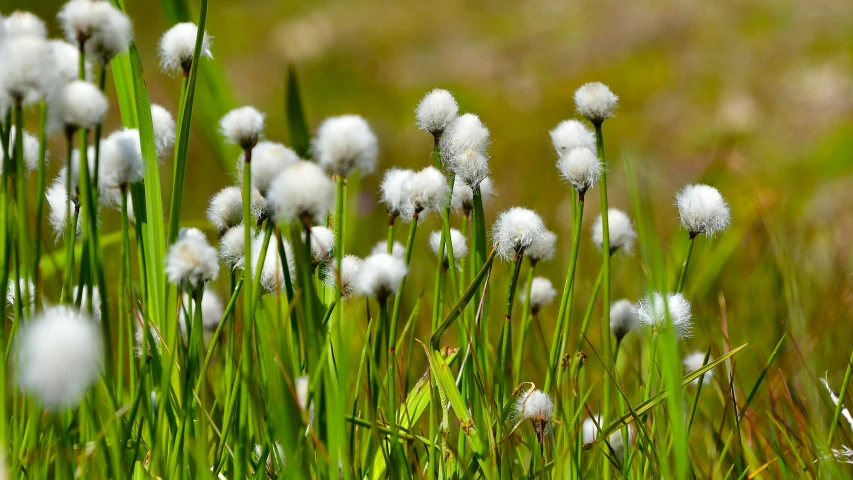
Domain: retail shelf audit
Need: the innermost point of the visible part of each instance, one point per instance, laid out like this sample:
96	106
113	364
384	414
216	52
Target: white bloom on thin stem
694	361
570	134
66	59
102	28
191	259
322	244
29	303
164	129
655	310
242	126
140	340
345	143
514	231
302	191
542	293
232	247
269	159
537	407
462	199
435	111
397	248
465	133
622	234
82	105
702	210
457	241
31	149
590	429
272	272
595	101
396	194
471	167
225	209
211	313
24	24
59	357
379	275
84	300
177	47
56	196
347	275
623	318
428	189
27	72
121	159
542	248
580	167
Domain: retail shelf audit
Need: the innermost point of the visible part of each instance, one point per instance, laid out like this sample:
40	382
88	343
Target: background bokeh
753	96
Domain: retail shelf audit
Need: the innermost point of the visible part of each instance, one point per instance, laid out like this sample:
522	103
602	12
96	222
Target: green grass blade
297	126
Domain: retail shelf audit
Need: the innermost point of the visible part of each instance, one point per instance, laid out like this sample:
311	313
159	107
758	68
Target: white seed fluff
272	273
82	104
29	303
542	293
457	240
435	111
59	357
232	247
622	234
31	149
570	134
471	167
27	71
464	133
702	210
694	361
652	312
396	195
397	248
428	190
164	129
269	159
191	259
225	209
105	29
121	160
84	300
66	58
302	190
537	407
462	199
350	266
595	101
379	275
543	247
514	231
24	24
242	126
580	167
56	196
345	143
211	313
590	429
623	318
177	47
322	244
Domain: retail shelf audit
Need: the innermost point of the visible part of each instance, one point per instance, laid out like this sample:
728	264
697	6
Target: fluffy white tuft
543	247
56	196
177	47
272	273
622	234
242	126
462	199
436	110
59	357
396	195
225	209
464	133
164	129
623	318
232	247
302	190
397	248
595	101
322	244
542	293
31	149
66	58
29	303
590	429
191	259
27	72
652	312
428	189
344	144
269	159
702	210
105	29
457	240
694	361
537	407
24	24
84	300
514	231
471	167
379	275
350	266
211	313
580	167
82	105
570	134
121	160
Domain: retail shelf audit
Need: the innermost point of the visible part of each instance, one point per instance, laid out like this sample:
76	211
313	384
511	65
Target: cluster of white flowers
464	145
103	30
269	159
462	198
191	259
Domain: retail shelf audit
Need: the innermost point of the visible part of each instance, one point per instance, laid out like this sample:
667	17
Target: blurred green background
755	97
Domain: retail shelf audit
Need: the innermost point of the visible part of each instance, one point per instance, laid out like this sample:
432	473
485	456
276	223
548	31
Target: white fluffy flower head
232	247
347	276
272	272
31	149
653	312
345	143
595	101
164	129
702	210
694	361
379	275
177	47
537	407
580	167
396	195
225	209
590	429
66	58
428	189
242	126
462	199
191	259
84	300
471	167
104	29
458	242
322	244
435	111
622	234
56	196
570	134
269	159
623	318
542	293
82	105
121	159
59	357
397	248
302	190
465	133
515	230
542	248
211	313
27	72
24	24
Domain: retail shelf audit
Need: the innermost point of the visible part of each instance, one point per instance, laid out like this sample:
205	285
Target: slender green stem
525	324
40	183
687	254
248	318
391	222
21	200
605	293
70	226
503	373
840	405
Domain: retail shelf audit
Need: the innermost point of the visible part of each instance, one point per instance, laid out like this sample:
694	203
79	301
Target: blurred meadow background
754	97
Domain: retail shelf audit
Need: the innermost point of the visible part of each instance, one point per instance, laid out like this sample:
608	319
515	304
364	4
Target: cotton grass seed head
397	248
211	313
428	190
435	111
192	260
471	167
66	58
23	285
542	248
31	149
654	310
622	234
570	134
537	407
347	275
27	73
344	144
302	191
590	429
272	272
56	196
82	105
84	300
595	102
542	293
232	247
322	244
462	199
623	318
465	133
458	242
395	189
164	129
102	28
225	209
121	160
379	275
59	357
269	159
177	47
515	230
694	361
242	126
24	24
702	210
580	167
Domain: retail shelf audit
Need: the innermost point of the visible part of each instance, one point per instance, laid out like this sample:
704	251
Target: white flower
211	313
225	209
27	72
397	248
395	188
570	134
470	167
24	24
457	241
272	273
66	59
121	159
580	167
29	303
379	275
348	275
59	357
105	29
436	110
82	105
84	300
464	133
322	244
344	144
302	190
232	247
31	149
164	129
462	199
590	429
428	189
694	361
177	47
191	259
537	407
542	248
514	231
242	126
653	312
269	159
622	234
623	318
542	293
702	210
56	196
595	101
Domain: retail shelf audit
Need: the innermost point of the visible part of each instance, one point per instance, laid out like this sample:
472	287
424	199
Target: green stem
21	200
391	221
40	183
605	249
525	324
240	466
687	254
504	367
840	405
